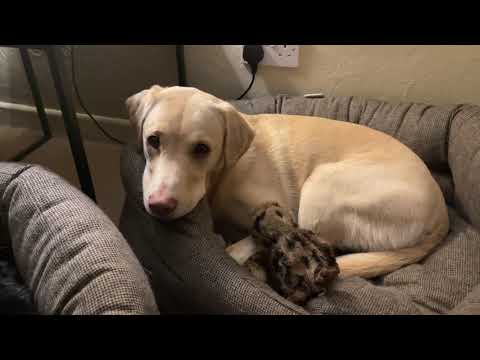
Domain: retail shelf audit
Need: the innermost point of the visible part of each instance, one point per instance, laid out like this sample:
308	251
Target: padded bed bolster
66	249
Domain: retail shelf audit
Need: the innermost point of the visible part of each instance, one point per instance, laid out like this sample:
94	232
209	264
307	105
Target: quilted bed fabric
67	251
447	138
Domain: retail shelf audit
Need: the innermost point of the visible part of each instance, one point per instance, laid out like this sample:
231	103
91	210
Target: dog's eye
154	141
201	149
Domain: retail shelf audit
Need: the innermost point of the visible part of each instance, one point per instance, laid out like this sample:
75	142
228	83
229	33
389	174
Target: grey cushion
68	252
436	286
447	138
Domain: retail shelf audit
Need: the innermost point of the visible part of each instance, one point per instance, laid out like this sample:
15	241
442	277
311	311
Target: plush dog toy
299	264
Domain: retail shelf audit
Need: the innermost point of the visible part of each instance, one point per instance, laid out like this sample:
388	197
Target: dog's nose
161	205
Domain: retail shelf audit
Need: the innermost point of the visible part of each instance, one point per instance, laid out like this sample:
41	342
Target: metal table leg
182	77
58	72
32	80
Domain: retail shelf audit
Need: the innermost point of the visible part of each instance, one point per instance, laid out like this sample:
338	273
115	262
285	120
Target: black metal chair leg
32	80
57	69
182	77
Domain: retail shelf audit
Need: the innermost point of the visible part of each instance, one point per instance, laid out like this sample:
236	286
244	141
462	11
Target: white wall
107	75
431	74
110	73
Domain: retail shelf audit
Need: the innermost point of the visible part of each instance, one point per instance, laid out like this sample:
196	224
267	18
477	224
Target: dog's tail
373	264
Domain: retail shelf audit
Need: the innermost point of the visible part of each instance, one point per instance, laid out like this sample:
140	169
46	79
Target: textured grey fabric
7	172
470	305
447	138
464	160
67	251
436	286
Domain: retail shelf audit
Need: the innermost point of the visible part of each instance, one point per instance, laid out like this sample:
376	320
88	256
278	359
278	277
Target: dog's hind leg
372	264
384	223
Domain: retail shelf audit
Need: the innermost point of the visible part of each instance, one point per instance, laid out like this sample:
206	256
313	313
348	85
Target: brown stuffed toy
299	264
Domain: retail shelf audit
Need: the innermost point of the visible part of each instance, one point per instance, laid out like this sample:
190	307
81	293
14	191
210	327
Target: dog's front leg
243	250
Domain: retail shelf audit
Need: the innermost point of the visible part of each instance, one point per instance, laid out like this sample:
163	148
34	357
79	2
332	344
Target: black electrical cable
249	86
252	55
82	105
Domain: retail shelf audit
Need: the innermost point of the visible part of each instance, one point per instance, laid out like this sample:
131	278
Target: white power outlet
281	55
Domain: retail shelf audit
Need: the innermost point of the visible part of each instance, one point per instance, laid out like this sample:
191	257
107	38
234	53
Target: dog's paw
301	266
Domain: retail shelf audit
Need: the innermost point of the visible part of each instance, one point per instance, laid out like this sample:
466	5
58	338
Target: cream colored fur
359	188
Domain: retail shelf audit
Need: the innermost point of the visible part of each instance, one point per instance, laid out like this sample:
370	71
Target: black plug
253	54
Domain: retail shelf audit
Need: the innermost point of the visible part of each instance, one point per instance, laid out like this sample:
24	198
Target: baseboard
25	116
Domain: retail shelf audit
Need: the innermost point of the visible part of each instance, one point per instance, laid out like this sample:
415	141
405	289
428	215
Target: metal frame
59	76
27	64
182	76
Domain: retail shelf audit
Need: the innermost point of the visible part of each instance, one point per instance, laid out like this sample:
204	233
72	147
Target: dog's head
186	135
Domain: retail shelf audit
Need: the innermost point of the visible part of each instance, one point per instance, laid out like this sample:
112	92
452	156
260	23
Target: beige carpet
103	157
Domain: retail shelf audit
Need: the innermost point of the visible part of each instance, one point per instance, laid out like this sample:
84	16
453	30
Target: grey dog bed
70	256
191	273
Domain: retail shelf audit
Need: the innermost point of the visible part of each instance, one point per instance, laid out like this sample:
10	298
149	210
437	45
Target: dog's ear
138	107
238	134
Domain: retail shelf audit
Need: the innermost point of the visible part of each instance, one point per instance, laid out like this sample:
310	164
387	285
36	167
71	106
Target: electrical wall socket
281	55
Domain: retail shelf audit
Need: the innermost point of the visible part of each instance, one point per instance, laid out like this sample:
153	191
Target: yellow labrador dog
361	189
